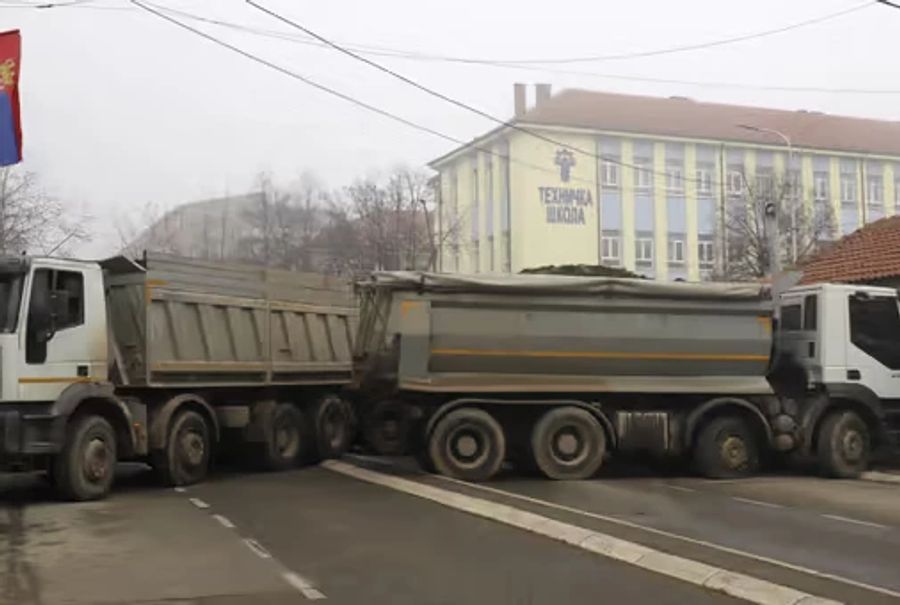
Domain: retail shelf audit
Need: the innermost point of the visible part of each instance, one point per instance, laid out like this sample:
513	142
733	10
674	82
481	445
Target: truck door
873	349
54	343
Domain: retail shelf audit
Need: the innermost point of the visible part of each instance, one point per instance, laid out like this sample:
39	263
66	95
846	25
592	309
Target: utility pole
772	210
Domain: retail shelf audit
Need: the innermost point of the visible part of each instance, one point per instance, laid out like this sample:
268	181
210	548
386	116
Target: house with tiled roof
870	255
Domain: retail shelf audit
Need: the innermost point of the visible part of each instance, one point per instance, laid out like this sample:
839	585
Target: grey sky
121	109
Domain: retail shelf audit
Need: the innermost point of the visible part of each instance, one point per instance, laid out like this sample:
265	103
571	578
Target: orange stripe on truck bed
602	355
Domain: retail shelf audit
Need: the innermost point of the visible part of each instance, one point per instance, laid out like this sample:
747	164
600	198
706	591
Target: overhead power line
888	3
511	124
382	51
294	75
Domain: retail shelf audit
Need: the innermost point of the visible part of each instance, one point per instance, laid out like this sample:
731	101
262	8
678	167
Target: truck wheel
85	467
185	458
334	426
568	443
387	428
287	440
843	445
467	444
726	448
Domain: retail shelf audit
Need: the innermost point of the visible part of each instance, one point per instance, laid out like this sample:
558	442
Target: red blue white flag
10	124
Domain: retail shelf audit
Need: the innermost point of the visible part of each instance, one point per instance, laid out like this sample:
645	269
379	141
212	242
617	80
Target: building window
609	248
706	252
674	177
676	251
875	191
643	174
704	180
897	194
820	186
610	175
792	185
735	182
848	188
765	185
643	250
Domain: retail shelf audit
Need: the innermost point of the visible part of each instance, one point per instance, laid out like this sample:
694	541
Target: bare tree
33	221
284	225
802	226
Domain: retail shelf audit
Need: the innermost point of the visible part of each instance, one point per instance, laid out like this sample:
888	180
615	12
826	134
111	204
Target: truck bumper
29	430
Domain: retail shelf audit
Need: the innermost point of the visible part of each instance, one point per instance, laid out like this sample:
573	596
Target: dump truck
556	374
168	361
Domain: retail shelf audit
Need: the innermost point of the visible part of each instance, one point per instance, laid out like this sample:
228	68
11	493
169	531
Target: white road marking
756	502
199	503
224	521
674	536
881	477
855	521
179	490
303	585
680	488
257	548
734	584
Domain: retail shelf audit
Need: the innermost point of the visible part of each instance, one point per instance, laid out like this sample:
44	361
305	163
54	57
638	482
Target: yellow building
649	183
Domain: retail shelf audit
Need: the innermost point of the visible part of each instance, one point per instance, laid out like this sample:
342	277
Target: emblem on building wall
565	159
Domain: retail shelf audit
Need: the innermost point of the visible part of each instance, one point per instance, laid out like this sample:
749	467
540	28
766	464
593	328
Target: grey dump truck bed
542	333
175	321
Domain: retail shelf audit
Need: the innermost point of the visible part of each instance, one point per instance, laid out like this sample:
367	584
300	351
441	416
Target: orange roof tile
868	254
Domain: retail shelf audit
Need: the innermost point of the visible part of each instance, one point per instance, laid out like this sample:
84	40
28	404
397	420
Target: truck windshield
10	297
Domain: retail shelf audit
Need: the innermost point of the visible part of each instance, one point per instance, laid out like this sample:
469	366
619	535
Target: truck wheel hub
853	446
192	448
96	460
467	447
567	445
735	452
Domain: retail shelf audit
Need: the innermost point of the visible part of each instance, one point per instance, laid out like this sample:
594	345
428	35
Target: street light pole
772	209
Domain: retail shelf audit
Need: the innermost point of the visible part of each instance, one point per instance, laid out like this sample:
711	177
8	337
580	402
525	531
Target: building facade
647	183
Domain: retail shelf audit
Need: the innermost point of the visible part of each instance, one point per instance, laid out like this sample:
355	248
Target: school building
644	183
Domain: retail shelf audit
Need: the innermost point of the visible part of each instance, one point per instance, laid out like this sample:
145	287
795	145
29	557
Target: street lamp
772	210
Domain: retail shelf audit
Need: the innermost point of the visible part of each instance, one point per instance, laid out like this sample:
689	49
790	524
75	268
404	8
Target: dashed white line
855	521
304	586
224	521
179	490
757	502
680	488
199	503
257	548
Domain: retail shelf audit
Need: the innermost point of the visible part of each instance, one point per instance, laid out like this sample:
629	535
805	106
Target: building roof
686	118
866	255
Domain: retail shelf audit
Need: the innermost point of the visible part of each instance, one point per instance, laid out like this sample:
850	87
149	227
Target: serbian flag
10	126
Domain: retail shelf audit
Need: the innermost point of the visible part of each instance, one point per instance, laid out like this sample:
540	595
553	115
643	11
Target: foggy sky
121	109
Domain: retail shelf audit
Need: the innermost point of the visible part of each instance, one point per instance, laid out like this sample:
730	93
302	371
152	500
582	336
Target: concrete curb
734	584
881	477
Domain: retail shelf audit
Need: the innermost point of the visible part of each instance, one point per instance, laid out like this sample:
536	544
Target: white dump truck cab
846	341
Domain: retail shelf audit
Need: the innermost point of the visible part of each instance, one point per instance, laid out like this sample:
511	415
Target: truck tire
726	448
387	428
467	444
184	460
287	441
568	443
843	445
85	467
333	421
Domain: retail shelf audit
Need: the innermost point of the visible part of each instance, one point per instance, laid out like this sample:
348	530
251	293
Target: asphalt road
295	536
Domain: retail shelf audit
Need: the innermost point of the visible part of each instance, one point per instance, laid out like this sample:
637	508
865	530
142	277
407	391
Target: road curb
881	477
713	578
